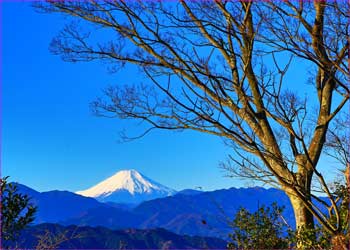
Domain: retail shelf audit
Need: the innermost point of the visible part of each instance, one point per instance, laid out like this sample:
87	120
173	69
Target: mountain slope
55	206
103	238
109	217
127	186
203	214
208	213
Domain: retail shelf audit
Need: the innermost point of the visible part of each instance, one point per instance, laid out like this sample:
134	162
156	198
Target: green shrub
16	211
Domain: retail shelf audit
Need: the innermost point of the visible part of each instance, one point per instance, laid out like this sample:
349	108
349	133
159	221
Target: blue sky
50	140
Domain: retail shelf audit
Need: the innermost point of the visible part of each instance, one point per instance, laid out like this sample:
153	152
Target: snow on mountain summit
127	186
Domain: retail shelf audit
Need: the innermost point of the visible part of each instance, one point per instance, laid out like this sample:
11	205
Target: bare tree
54	240
337	147
220	68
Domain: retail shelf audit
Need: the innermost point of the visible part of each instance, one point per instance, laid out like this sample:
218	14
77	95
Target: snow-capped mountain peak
127	186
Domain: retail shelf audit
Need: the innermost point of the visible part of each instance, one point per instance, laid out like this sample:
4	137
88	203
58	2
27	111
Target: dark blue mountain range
189	212
55	206
54	236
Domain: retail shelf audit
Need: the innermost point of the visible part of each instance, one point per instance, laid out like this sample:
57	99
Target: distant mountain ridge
208	213
127	186
189	192
188	212
54	206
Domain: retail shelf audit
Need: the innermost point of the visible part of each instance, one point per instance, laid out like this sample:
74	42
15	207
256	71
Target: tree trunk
304	219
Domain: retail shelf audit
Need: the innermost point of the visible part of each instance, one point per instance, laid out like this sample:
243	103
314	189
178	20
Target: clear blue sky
50	140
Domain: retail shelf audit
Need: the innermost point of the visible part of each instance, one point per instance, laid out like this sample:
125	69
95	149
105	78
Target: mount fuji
127	186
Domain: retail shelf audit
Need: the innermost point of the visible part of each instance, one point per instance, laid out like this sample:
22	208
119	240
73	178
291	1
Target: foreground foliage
263	229
16	211
267	229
